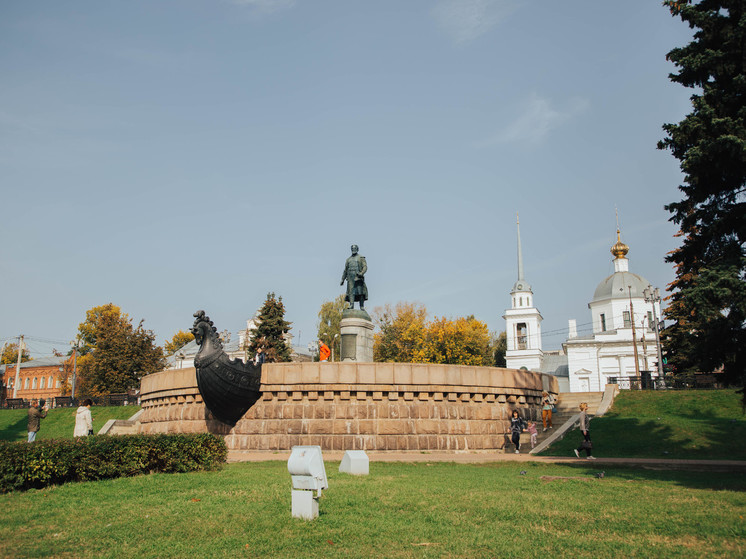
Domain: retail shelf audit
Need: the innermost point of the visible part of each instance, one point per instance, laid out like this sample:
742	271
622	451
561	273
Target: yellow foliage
463	341
405	336
402	332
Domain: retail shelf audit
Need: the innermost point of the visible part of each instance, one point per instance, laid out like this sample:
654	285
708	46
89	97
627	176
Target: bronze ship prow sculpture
229	387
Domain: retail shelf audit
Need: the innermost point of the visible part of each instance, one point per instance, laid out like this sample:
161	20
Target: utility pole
634	341
18	367
644	345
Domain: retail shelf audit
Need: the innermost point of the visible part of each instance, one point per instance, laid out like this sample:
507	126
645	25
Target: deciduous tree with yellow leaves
406	336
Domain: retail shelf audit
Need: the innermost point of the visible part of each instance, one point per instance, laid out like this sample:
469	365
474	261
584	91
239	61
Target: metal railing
69	402
682	381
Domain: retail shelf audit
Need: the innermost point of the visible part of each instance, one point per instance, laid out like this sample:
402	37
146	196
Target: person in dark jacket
36	413
516	426
585	428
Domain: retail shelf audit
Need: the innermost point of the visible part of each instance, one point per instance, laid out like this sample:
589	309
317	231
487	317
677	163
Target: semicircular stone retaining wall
356	406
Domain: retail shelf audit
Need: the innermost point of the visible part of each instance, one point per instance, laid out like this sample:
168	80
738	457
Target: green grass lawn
399	510
691	424
59	423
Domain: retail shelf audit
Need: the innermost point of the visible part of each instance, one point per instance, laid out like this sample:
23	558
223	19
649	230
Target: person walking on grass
585	428
36	413
516	426
83	420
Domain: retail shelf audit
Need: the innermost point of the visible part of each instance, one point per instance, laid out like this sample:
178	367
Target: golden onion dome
619	250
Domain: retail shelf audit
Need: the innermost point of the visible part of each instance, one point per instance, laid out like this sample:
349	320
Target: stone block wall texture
357	406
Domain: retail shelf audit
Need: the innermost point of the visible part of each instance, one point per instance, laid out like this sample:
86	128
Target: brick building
38	378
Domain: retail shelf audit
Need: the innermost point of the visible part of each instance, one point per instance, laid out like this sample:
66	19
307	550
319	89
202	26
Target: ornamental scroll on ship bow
229	387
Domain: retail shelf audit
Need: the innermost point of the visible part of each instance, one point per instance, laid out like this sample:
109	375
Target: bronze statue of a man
354	272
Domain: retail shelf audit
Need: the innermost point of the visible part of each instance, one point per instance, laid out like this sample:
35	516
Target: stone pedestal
357	336
303	505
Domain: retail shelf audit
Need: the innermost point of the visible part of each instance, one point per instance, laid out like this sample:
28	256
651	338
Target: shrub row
42	463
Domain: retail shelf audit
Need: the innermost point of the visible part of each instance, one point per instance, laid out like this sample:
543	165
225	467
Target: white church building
622	344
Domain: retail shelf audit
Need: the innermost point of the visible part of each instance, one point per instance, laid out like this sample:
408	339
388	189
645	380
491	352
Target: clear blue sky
142	142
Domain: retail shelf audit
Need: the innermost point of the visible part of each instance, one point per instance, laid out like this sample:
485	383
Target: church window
522	335
603	323
627	319
50	382
520	301
58	383
41	382
33	386
25	384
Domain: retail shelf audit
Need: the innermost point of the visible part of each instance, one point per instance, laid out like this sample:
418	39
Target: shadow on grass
714	481
635	476
690	438
15	431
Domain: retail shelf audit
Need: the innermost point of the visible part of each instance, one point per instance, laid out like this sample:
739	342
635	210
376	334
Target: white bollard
308	474
355	462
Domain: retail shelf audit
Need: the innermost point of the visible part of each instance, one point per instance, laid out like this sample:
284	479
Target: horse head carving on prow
205	333
228	387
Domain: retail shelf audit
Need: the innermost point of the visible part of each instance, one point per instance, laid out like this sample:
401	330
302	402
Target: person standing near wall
517	425
36	413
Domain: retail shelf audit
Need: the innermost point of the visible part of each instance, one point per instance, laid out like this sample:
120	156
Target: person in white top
83	420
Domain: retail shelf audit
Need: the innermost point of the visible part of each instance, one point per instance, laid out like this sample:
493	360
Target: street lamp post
76	345
312	347
634	342
653	296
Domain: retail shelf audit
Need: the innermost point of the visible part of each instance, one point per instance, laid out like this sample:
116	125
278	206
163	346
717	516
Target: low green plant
55	462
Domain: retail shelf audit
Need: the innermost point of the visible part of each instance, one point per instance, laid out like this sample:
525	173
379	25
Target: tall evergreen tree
708	296
270	333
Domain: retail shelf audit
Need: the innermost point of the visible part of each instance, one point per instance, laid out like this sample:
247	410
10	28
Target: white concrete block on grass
355	462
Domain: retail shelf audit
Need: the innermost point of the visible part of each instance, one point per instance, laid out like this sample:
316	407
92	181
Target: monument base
357	336
412	407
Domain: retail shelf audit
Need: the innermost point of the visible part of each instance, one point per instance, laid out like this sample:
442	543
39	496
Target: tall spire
520	252
521	284
619	250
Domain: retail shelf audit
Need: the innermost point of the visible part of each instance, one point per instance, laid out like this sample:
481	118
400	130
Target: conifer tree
708	296
270	333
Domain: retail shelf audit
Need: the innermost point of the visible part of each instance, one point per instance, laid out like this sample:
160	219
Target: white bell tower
523	322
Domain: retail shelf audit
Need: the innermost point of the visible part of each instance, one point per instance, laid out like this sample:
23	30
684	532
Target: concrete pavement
487	457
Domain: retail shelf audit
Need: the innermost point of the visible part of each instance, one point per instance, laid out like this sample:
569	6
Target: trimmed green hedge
42	463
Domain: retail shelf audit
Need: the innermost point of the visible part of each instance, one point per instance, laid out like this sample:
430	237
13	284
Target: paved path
486	457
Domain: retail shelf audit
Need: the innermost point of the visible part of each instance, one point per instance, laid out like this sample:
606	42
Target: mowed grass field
399	510
687	424
59	423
